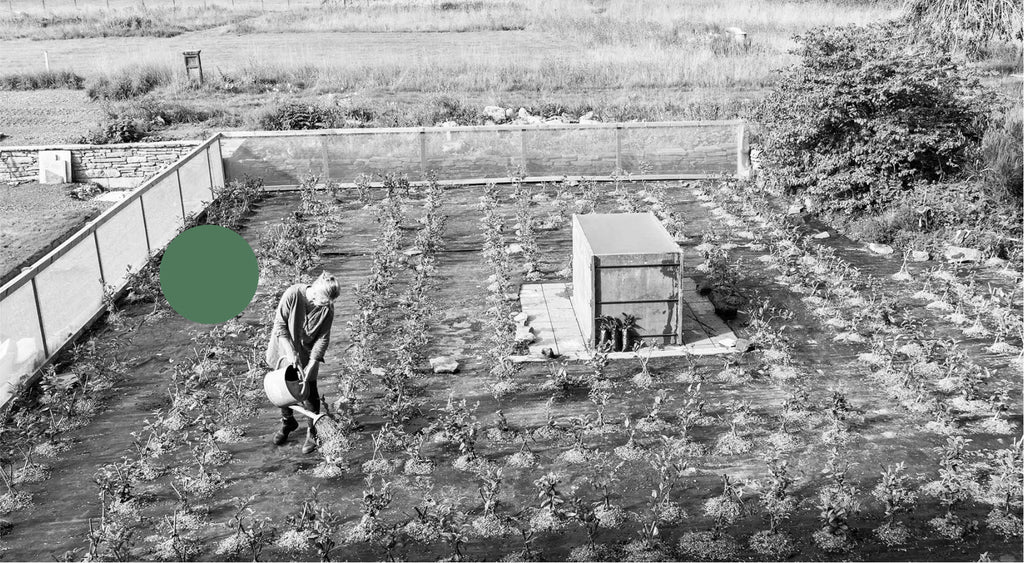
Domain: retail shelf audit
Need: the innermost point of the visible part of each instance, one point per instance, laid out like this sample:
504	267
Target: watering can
284	389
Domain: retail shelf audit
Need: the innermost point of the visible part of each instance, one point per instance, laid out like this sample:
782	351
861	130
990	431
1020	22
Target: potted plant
606	329
627	326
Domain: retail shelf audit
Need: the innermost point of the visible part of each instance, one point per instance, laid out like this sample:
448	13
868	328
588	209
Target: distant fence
48	305
468	155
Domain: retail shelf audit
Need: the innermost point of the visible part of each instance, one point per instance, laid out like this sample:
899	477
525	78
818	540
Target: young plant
896	496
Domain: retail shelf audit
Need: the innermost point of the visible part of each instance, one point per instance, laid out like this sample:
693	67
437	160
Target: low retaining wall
119	166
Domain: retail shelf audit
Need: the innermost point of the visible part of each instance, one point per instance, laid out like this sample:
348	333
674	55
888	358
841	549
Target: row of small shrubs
43	80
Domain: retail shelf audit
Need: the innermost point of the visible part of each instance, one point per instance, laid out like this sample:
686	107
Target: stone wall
119	166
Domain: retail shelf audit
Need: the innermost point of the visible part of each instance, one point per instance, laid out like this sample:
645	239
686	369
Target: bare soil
42	117
36	219
58	519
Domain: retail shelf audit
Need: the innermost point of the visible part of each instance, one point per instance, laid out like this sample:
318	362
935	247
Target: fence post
522	138
209	171
423	153
181	195
39	317
618	148
145	227
325	162
99	259
742	152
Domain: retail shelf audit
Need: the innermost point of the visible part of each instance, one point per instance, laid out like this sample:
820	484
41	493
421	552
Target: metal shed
627	263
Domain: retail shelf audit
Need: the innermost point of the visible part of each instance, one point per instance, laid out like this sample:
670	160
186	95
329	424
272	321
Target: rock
379	372
525	334
920	256
588	118
995	262
883	249
727	302
444	364
961	254
524	116
412	252
514	249
447	124
743	345
521	318
794	209
497	114
463	324
821	235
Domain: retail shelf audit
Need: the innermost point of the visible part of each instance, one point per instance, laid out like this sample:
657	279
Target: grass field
626	60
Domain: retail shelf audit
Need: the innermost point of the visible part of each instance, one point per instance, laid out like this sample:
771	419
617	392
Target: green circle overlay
209	274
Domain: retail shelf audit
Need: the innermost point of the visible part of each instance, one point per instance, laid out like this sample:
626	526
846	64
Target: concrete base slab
553	320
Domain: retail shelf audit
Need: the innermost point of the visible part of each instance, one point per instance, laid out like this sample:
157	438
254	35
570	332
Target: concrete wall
120	166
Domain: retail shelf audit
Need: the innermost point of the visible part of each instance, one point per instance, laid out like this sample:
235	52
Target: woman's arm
283	319
323	339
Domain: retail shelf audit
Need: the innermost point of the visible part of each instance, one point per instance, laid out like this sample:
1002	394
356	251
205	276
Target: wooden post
46	60
44	4
423	153
618	149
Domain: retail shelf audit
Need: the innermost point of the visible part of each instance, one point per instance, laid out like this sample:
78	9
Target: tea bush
865	115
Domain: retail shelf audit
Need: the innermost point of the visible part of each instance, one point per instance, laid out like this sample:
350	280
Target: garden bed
823	390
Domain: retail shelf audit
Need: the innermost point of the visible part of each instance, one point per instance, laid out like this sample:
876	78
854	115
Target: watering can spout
307	413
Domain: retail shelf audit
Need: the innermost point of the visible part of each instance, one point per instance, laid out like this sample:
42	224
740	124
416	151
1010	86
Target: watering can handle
282	358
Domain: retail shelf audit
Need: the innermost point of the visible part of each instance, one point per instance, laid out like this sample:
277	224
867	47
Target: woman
301	333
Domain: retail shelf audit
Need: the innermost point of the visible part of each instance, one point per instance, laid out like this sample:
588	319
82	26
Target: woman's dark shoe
287	425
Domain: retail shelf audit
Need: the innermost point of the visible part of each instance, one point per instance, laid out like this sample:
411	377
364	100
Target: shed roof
626	233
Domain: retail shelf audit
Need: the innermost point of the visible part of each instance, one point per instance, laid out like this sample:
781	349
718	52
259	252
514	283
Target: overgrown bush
129	82
1001	149
298	116
47	79
865	116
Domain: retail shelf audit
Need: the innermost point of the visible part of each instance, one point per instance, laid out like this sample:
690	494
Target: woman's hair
327	284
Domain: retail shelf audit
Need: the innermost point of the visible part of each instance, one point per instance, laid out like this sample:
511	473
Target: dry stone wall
118	166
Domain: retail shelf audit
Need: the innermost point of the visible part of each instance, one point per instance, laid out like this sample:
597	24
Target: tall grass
41	80
594	22
128	82
150	22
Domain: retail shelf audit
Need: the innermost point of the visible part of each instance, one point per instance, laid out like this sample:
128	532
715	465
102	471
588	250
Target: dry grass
151	22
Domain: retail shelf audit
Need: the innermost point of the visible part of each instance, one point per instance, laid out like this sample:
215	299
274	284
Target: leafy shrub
46	79
121	130
1001	149
129	82
864	116
298	116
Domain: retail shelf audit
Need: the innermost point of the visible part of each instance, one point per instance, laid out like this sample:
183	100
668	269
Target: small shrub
122	130
129	82
293	116
46	79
